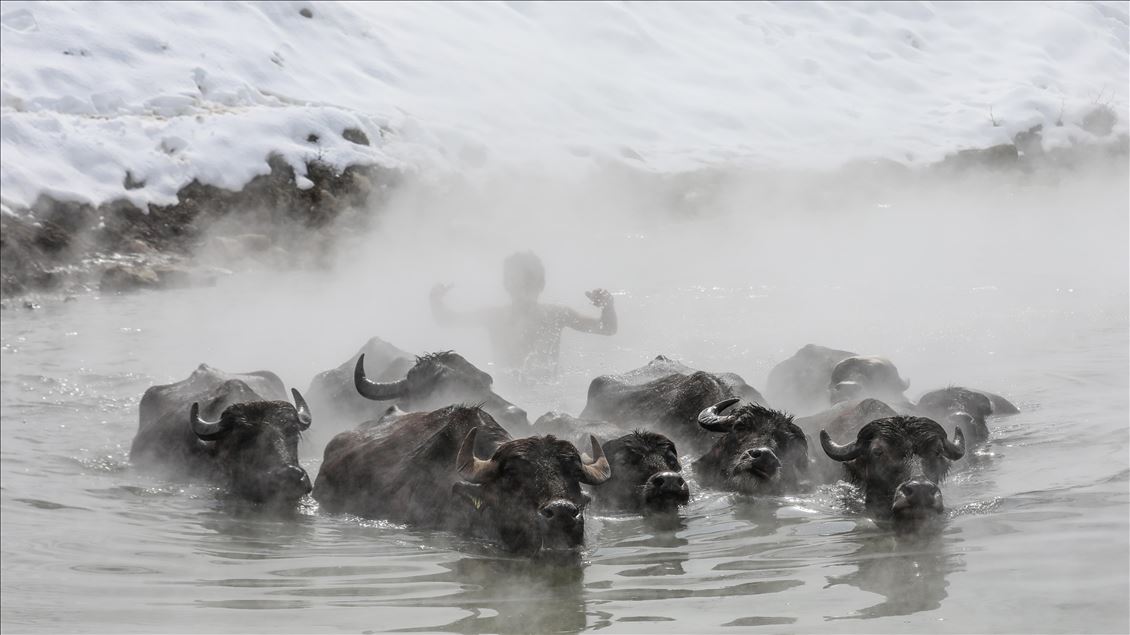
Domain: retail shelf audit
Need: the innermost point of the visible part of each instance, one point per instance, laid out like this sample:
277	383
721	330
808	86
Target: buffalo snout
562	525
666	488
292	480
762	462
917	498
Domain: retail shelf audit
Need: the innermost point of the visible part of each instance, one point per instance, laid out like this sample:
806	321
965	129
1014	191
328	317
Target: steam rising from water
727	269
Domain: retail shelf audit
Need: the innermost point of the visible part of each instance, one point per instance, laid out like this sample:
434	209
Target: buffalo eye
672	459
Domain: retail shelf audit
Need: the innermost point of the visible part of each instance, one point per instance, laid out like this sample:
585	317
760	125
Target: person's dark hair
523	273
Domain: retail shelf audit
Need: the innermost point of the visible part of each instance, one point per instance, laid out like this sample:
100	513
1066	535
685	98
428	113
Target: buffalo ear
471	493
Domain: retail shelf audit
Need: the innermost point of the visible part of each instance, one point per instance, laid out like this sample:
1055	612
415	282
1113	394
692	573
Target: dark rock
120	278
1100	120
58	235
132	184
306	13
998	157
353	135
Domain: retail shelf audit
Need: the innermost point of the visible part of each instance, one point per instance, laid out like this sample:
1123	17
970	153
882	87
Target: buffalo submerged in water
665	396
523	493
899	462
646	473
350	395
226	429
761	451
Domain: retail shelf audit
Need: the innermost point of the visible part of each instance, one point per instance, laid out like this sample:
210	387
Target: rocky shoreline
68	248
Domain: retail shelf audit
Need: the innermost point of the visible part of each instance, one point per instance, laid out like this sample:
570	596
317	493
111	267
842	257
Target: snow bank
169	92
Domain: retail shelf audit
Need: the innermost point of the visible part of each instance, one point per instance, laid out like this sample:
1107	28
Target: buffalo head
529	491
761	450
255	446
864	376
645	469
899	463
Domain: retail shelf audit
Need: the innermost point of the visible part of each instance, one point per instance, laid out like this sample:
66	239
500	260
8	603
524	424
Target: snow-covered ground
170	92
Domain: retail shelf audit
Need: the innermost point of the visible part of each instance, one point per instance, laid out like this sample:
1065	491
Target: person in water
526	335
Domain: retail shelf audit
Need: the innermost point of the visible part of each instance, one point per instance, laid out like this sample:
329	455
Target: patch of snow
170	92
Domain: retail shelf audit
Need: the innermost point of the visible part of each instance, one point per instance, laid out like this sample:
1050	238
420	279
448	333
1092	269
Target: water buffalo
437	380
656	398
217	427
965	407
525	494
645	465
863	376
899	462
842	421
333	395
800	383
427	382
761	451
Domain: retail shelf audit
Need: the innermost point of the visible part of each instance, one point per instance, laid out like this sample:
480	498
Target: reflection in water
539	595
910	573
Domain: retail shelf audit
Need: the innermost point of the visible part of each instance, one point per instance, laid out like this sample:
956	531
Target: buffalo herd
427	442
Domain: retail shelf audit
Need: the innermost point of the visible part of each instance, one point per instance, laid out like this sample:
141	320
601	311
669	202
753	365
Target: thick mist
724	269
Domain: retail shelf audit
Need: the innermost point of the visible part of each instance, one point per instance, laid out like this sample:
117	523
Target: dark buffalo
525	495
645	465
426	382
437	380
667	403
333	395
864	376
841	421
800	383
761	451
965	407
218	427
899	463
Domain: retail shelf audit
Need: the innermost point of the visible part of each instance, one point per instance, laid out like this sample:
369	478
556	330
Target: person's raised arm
447	317
604	325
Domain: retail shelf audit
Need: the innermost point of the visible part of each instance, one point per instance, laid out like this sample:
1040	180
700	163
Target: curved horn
377	391
839	452
595	470
207	430
472	468
955	449
304	418
709	419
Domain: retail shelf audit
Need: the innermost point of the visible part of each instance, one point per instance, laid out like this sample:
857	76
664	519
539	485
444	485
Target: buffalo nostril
560	510
754	454
919	490
679	482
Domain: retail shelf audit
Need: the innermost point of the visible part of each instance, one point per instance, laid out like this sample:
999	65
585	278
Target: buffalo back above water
426	468
668	404
863	376
214	425
799	384
332	393
965	407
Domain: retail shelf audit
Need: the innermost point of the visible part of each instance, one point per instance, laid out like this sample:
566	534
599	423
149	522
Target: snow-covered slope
175	91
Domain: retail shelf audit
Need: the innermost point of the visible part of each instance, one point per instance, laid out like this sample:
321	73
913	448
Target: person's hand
599	297
440	290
